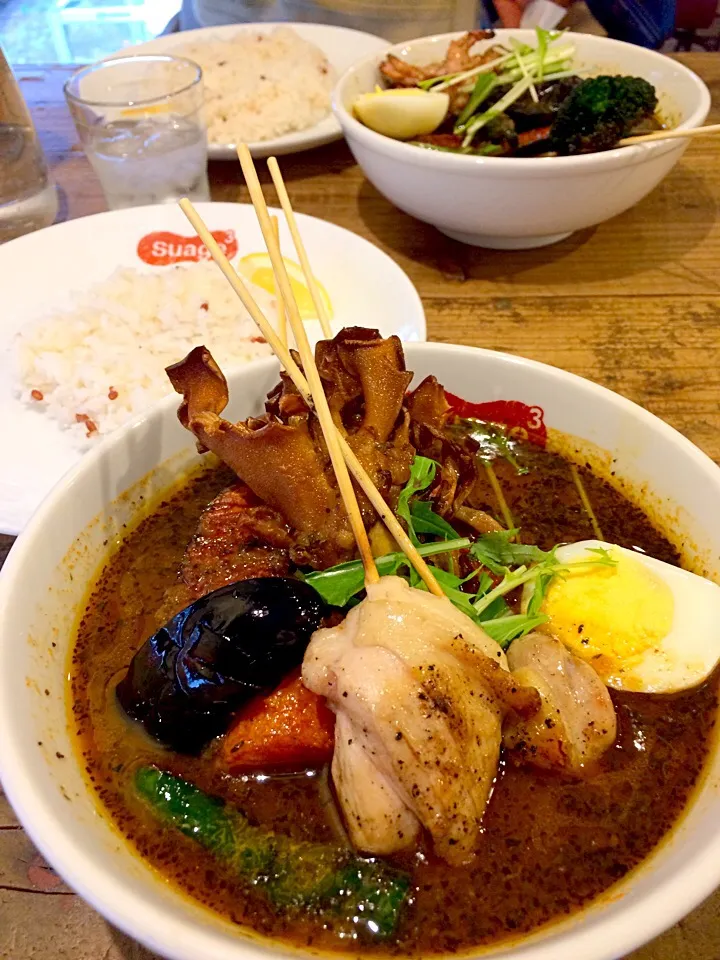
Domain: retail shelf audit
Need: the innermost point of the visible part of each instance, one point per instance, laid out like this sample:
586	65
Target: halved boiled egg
402	114
644	625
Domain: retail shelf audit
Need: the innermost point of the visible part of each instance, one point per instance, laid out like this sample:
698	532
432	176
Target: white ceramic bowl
39	603
514	202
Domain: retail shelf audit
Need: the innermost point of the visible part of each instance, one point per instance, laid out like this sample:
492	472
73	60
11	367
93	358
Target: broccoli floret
599	112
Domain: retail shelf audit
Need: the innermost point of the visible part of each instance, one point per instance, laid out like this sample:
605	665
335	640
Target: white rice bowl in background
100	358
261	85
341	46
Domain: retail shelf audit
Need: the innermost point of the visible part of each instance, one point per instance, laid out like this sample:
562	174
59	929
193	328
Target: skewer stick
671	135
298	378
389	519
312	285
282	282
279	349
282	314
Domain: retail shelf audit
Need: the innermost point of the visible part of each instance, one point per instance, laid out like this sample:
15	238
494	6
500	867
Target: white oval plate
342	47
42	272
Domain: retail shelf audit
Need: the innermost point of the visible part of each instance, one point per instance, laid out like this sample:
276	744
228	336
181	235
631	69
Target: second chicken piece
576	723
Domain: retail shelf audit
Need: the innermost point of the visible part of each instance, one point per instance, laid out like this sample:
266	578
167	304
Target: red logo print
162	248
522	421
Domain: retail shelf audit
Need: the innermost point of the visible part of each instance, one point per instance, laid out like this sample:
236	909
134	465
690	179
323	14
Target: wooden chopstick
281	312
266	329
671	135
310	280
298	378
322	410
394	526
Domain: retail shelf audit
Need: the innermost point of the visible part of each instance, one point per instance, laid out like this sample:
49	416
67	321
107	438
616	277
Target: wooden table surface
633	304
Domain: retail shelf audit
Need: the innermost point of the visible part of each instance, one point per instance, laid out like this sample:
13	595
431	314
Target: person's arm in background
510	11
395	20
647	23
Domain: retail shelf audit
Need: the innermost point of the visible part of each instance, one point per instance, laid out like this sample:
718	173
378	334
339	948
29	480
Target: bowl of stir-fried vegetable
511	139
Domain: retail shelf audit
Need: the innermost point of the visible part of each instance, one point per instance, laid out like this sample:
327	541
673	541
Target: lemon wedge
258	269
146	111
402	114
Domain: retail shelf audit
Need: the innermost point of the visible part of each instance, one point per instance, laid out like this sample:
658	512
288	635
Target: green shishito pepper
321	878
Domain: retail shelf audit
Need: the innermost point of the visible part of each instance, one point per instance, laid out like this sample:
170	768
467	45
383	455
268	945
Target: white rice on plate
261	85
93	366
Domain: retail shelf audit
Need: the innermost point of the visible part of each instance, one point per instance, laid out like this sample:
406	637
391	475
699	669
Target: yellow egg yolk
610	615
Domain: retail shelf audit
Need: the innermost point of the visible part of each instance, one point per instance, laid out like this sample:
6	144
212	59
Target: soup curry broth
551	838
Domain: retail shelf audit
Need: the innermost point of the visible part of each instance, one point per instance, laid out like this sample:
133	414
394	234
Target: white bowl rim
516	166
660	909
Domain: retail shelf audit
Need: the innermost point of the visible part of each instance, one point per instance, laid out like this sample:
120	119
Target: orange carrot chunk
290	727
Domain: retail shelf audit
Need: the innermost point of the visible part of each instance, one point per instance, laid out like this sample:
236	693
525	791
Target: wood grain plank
38	927
697	937
667	244
661	352
23	869
8	820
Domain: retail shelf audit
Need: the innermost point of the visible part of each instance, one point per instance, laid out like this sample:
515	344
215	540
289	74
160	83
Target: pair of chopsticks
308	384
671	135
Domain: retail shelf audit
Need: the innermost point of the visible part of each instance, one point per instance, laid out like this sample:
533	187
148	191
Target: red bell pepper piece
530	136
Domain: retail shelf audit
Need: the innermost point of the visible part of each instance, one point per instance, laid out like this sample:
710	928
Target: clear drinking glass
141	125
28	199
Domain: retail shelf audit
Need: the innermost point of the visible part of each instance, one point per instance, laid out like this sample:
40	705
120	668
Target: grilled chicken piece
458	58
400	73
237	538
421	691
576	722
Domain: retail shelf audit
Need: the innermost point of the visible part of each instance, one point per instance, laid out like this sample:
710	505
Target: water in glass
141	126
147	161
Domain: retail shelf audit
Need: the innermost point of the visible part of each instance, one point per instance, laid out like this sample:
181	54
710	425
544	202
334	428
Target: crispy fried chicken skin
282	460
458	473
278	461
282	457
400	73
